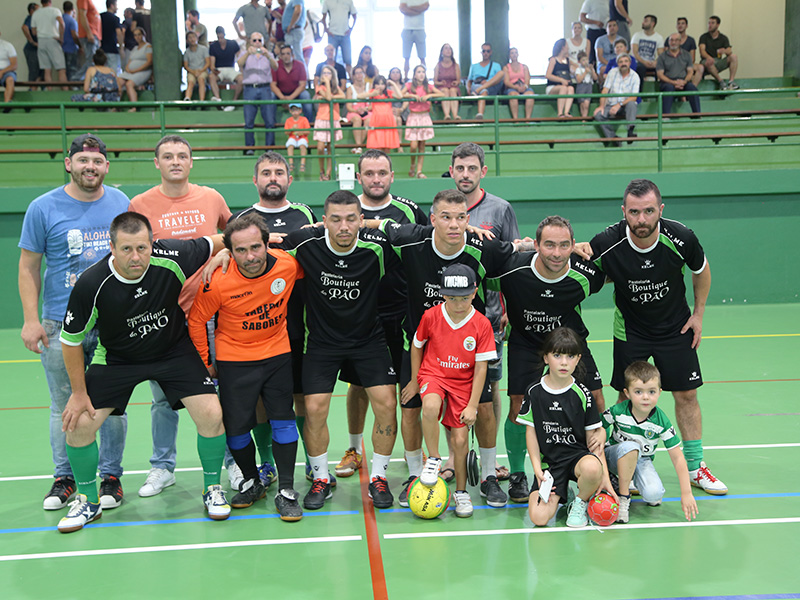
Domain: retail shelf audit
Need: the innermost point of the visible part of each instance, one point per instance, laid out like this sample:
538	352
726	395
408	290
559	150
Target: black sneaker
518	489
379	492
403	499
490	490
288	506
252	491
62	490
110	492
316	496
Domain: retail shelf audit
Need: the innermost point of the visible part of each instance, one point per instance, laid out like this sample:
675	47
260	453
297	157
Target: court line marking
535	530
737	597
377	574
179	547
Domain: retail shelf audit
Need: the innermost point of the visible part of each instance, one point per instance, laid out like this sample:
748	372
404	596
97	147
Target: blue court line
738	597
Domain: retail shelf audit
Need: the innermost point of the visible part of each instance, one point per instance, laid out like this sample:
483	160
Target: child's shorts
296	143
563	473
455	401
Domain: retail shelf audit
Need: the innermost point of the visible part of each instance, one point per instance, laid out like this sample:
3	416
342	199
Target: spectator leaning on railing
8	70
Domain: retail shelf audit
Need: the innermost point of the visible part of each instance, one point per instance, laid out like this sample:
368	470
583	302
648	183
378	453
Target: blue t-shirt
289	11
226	57
72	235
478	70
68	45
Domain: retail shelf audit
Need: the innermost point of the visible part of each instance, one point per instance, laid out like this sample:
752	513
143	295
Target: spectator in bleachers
485	78
70	42
31	43
293	23
395	83
413	33
674	71
310	37
255	19
447	78
113	41
193	24
517	80
358	110
585	76
594	15
100	83
196	62
330	60
419	127
620	47
256	64
142	18
276	35
48	26
624	81
577	43
559	77
127	25
296	127
138	69
223	66
365	61
618	10
89	33
646	45
381	116
604	47
339	29
8	70
289	80
717	54
327	89
688	44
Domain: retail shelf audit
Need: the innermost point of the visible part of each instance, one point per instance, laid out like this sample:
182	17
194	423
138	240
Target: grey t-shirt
254	18
196	59
674	67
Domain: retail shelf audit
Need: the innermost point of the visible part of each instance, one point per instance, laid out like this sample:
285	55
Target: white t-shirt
415	21
648	44
596	10
338	12
7	51
45	20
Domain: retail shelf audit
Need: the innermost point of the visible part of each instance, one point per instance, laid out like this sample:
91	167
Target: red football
603	510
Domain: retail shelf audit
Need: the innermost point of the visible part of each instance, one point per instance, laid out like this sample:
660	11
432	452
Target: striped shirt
617	84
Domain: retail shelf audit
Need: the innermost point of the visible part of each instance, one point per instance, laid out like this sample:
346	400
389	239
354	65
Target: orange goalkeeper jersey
251	324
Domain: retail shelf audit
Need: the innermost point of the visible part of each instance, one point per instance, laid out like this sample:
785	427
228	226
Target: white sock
488	458
356	440
414	461
380	464
319	466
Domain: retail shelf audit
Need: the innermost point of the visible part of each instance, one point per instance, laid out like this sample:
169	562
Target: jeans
645	477
112	432
694	101
629	114
71	59
114	63
343	42
294	38
89	48
267	114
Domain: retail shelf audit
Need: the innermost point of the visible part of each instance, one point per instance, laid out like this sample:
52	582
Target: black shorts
396	341
242	382
525	367
675	358
562	474
181	373
297	345
371	363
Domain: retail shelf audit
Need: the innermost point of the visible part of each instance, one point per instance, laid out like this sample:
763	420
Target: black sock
285	456
246	459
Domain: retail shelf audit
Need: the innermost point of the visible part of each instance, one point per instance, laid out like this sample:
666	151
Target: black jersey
649	290
342	288
424	263
561	419
138	320
392	294
536	305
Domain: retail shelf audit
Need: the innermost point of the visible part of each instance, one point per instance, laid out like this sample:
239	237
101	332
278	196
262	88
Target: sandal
412	171
421	175
449	477
502	473
302	168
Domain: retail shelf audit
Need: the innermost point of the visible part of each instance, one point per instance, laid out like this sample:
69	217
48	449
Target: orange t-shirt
251	313
301	123
92	17
202	211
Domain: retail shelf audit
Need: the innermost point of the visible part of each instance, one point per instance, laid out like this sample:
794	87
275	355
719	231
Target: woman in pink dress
447	77
419	127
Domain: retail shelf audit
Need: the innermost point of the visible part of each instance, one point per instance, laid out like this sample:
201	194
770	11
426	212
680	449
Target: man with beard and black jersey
376	177
343	264
645	256
543	290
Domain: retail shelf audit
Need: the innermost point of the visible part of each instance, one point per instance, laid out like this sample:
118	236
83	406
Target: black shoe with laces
62	490
490	490
252	491
288	506
110	492
316	496
403	499
379	492
518	489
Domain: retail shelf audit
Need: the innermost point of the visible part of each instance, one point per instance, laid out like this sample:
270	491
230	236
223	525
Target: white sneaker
430	472
216	504
576	513
624	509
703	479
235	476
229	108
81	512
215	99
157	480
463	504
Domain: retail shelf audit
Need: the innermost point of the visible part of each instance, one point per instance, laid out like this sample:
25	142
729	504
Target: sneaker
703	479
624	509
216	504
723	85
252	490
732	85
157	480
518	489
215	99
229	108
81	512
463	504
288	507
268	474
430	472
576	514
490	490
110	492
249	152
350	463
310	476
235	476
402	500
316	496
478	116
379	492
61	491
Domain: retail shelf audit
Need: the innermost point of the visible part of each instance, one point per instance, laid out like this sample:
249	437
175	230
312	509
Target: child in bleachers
297	139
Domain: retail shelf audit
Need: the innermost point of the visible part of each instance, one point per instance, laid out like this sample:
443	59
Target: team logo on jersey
278	286
69	317
279	223
649	434
648	264
341	264
139	293
206	287
423	388
547	294
556	406
391	372
209	381
469	343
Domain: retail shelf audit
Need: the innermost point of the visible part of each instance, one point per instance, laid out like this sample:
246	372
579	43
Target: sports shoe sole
344	472
241	505
156	492
79	527
712	492
109	502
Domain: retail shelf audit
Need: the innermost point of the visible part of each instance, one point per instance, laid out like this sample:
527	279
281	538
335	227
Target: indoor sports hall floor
743	545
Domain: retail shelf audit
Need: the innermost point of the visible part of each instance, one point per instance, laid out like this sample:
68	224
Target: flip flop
449	477
421	175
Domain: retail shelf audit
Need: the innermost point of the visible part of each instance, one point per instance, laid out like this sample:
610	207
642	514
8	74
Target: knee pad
237	442
284	431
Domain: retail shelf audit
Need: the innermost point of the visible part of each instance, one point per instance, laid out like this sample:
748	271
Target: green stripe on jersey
377	249
476	254
305	210
583	281
406	210
581	394
170	265
77	338
99	356
646	434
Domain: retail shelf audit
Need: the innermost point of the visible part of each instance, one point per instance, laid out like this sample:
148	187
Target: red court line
379	590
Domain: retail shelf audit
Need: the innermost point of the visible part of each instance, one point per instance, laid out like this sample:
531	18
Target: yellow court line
27	360
719	337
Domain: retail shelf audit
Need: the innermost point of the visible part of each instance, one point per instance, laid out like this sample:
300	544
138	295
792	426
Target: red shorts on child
455	400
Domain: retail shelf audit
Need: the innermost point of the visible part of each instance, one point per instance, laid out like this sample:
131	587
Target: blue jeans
112	432
71	60
89	48
114	63
645	477
343	42
267	114
694	101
